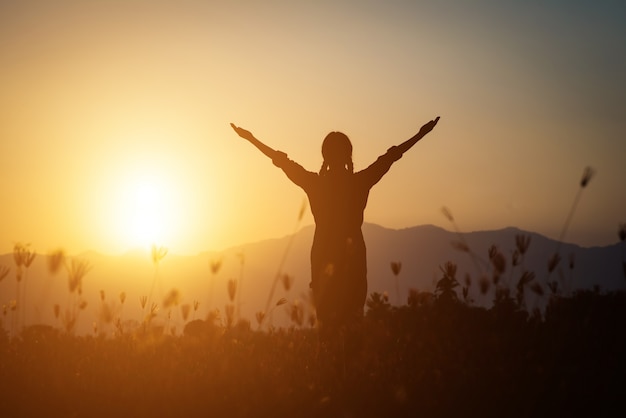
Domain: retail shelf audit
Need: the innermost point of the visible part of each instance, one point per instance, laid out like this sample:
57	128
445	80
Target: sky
114	116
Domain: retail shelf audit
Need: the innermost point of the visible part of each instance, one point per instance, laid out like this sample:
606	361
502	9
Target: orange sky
114	116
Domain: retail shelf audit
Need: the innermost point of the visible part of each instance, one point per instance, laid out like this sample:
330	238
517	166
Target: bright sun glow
147	212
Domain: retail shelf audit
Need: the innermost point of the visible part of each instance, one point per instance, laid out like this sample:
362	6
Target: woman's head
337	152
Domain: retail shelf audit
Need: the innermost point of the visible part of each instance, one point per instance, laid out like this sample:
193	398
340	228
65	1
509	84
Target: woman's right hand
245	134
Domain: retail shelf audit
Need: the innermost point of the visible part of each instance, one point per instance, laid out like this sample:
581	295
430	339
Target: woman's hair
337	147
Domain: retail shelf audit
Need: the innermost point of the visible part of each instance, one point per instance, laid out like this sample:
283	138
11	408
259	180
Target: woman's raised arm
406	145
247	135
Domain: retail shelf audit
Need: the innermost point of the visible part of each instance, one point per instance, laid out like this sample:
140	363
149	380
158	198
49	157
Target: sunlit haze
114	116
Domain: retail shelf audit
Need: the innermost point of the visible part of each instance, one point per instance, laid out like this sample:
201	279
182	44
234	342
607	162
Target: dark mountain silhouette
421	250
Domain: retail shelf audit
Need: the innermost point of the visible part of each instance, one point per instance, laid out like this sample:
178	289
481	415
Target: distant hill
420	249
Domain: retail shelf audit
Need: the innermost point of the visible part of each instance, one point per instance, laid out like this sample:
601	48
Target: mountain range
421	251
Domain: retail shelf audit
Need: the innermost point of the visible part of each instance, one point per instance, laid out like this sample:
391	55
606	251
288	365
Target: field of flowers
431	357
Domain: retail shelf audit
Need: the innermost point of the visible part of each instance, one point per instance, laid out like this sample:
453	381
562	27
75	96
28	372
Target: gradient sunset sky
114	116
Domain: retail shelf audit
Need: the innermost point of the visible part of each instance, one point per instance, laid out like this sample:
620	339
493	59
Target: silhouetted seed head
102	295
154	308
143	300
297	313
622	232
484	284
499	262
215	266
13	304
122	297
107	313
571	261
196	304
75	272
587	175
4	271
18	254
230	314
449	269
553	262
522	243
495	278
396	266
158	254
281	301
468	280
82	305
536	288
260	317
172	298
460	246
527	277
287	280
553	286
446	212
185	310
57	310
493	250
515	258
465	291
232	289
55	261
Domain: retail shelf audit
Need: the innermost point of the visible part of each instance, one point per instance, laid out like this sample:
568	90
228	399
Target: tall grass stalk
284	257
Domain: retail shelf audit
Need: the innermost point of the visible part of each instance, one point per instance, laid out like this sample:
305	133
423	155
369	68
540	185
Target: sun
147	210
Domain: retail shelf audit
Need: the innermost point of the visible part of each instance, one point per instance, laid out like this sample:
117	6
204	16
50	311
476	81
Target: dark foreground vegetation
431	357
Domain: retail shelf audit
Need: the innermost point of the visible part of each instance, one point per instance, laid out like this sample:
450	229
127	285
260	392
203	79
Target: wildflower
484	284
587	175
297	313
536	288
232	289
396	266
260	316
553	262
185	309
172	298
446	212
55	260
498	261
515	258
76	271
215	266
143	300
527	277
158	254
522	243
4	271
230	315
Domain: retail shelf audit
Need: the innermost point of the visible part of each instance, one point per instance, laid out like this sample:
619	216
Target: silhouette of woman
337	197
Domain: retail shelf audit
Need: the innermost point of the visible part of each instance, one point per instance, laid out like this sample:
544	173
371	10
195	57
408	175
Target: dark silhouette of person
337	196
